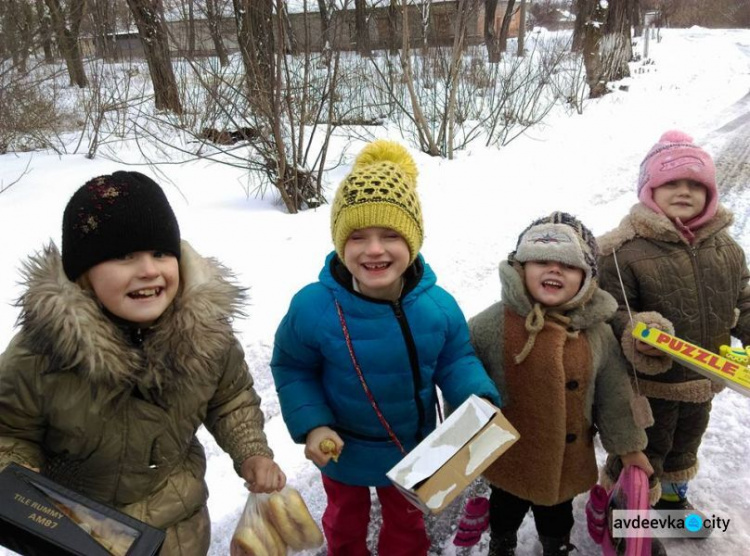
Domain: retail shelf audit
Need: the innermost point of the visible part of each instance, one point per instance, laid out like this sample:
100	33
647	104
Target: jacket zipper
701	297
136	336
411	349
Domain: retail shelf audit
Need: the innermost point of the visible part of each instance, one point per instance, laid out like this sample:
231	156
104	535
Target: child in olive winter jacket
359	355
679	270
125	348
549	349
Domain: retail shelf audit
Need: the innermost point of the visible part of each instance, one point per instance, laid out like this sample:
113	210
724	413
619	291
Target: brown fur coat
558	396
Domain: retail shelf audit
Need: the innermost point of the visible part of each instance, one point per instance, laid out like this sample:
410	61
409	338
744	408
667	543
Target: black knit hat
113	215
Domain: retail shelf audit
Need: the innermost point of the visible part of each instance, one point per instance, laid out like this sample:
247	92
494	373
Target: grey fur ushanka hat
563	238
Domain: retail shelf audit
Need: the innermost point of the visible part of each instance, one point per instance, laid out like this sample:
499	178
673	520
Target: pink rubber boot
474	521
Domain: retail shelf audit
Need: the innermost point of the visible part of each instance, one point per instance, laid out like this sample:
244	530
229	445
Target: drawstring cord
534	324
640	407
630	317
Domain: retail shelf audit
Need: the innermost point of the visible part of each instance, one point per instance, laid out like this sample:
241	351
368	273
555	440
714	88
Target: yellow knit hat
380	191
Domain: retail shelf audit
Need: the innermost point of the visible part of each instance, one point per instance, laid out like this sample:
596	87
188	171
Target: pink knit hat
676	157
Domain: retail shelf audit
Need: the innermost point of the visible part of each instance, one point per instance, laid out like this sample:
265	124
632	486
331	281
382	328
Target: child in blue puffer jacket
359	355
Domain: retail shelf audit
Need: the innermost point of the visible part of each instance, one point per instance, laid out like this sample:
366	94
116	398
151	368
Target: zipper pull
136	336
397	309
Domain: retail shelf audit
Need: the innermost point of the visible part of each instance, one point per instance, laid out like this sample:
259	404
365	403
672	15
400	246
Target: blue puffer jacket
404	348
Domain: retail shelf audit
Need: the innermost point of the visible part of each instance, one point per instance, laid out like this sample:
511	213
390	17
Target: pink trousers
347	516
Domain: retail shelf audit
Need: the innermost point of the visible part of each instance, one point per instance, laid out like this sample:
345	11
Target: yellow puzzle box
730	367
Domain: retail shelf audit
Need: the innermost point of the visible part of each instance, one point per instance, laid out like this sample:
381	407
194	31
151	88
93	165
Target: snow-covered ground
474	208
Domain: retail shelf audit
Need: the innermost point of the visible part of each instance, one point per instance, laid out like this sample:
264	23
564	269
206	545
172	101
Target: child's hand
313	450
646	349
638	459
262	474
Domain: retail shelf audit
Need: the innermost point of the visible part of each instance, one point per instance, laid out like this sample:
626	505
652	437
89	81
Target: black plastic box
39	517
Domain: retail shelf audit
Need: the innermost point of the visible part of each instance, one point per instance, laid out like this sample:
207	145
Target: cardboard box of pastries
41	517
434	473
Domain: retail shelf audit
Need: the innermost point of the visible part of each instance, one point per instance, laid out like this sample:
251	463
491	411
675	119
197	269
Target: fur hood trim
66	324
644	222
599	308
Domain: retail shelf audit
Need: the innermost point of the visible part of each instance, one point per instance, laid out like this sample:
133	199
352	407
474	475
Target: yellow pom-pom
388	151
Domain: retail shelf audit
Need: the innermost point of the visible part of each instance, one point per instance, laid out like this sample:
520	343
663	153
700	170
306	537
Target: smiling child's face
552	283
137	287
377	258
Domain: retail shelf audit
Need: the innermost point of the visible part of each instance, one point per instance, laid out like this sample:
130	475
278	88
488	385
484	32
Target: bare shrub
106	104
27	113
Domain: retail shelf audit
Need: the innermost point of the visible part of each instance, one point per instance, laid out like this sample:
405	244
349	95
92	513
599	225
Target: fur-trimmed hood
644	222
67	325
599	308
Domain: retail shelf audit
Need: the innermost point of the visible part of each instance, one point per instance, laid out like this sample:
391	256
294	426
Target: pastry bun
259	538
289	514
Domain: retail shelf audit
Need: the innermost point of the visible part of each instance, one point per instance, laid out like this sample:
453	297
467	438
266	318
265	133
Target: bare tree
582	8
213	18
592	15
149	18
290	40
618	30
67	24
16	23
636	17
282	97
256	41
102	16
426	139
45	30
191	28
325	25
394	19
465	7
490	37
361	27
505	26
522	29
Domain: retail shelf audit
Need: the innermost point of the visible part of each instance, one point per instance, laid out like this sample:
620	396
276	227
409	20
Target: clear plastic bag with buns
275	525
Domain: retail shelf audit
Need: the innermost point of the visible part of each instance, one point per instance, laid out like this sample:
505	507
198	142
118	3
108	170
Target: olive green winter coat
117	421
573	382
700	289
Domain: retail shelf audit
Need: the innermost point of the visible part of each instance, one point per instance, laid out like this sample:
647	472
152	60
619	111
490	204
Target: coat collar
334	275
644	222
65	323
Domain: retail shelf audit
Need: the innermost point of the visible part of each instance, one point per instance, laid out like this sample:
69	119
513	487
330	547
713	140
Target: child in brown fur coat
553	356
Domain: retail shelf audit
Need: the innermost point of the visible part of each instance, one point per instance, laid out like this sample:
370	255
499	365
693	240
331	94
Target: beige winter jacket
565	389
117	422
700	289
